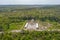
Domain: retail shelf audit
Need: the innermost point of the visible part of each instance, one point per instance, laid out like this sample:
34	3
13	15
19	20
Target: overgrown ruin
31	25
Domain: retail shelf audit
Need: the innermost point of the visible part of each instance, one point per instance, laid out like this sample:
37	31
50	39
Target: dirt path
36	30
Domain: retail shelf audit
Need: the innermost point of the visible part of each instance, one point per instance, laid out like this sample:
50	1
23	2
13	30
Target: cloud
29	1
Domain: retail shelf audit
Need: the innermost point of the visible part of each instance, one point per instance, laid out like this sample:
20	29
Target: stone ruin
31	25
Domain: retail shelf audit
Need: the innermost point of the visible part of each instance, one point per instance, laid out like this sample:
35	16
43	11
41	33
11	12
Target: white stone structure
31	25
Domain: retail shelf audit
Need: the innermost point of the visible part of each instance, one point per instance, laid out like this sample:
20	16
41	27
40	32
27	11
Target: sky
29	2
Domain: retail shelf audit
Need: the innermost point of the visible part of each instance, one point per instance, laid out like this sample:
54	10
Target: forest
15	17
33	35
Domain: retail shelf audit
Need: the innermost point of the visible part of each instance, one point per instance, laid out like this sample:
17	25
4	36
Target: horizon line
29	4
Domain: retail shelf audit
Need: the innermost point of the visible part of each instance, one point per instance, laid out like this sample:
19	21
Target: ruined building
31	25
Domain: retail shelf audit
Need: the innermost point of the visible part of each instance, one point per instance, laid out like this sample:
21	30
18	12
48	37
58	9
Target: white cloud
29	1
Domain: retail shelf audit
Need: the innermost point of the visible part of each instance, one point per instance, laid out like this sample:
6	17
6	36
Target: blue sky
31	2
